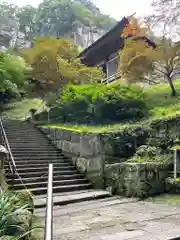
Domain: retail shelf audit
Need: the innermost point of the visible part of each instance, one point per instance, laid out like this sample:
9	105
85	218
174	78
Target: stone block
66	135
96	178
45	130
81	164
90	145
75	137
52	133
75	149
59	144
58	135
74	160
66	146
95	164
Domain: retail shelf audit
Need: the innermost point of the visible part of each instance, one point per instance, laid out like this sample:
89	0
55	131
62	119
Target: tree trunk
171	84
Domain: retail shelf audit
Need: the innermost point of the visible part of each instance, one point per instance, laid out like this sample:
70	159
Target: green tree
140	62
54	64
27	21
12	73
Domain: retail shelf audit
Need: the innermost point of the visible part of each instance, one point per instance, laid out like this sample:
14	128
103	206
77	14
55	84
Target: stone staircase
32	153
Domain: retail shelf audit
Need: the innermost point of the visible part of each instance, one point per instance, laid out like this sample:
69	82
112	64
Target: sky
114	8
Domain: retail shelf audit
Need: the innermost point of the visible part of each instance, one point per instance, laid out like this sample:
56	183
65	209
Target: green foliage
54	64
12	209
78	73
160	104
172	185
98	103
12	73
147	153
51	99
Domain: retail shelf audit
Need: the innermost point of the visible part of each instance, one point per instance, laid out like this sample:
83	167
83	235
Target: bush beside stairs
32	153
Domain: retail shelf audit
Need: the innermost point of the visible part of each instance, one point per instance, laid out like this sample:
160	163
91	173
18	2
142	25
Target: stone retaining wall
136	179
85	150
90	154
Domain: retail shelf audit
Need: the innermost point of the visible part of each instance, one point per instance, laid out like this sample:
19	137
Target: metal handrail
112	78
48	233
11	161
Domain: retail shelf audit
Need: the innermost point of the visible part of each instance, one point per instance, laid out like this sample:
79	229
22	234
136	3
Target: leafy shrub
12	70
147	153
172	185
15	217
101	103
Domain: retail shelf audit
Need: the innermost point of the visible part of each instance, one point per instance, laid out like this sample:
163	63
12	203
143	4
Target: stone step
27	139
41	161
44	184
18	127
39	157
31	144
31	137
22	126
39	169
56	189
39	165
35	153
72	197
41	179
36	150
18	130
24	132
33	149
41	173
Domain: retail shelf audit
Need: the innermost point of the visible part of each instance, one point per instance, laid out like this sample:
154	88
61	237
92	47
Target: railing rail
112	78
10	159
48	233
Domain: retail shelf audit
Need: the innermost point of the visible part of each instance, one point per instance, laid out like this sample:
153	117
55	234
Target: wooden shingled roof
108	44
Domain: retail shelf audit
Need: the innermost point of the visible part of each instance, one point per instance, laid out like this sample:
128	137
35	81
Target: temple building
104	52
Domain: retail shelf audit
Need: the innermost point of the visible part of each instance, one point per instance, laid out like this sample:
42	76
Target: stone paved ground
116	218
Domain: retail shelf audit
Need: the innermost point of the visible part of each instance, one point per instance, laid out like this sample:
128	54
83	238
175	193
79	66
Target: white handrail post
175	163
48	233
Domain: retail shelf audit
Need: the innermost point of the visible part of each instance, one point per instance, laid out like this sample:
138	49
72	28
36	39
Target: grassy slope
20	109
159	100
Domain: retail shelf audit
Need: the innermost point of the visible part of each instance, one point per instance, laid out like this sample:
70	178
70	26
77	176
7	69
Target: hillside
160	106
78	19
